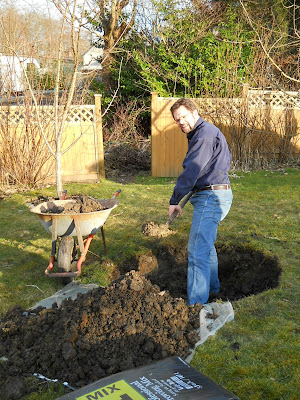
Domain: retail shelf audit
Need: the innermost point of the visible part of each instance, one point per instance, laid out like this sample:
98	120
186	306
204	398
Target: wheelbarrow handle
116	194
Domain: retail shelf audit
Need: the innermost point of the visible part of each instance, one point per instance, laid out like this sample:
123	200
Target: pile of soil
130	323
151	229
79	204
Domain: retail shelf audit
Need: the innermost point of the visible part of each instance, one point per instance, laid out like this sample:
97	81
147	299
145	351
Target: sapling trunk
59	186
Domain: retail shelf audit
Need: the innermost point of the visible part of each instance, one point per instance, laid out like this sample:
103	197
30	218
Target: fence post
99	137
154	135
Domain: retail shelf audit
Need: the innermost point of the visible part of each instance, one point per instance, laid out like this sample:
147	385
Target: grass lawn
256	356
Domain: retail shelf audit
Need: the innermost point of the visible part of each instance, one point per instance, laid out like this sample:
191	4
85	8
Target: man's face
185	118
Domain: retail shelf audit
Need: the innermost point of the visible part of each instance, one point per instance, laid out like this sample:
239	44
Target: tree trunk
59	186
107	79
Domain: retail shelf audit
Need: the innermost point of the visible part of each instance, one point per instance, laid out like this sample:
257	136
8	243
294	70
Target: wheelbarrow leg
53	247
84	252
83	247
79	235
103	238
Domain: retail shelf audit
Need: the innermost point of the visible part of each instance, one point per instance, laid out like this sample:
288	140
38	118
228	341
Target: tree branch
265	50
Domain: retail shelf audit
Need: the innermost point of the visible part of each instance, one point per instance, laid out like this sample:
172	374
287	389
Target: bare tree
278	40
110	21
72	22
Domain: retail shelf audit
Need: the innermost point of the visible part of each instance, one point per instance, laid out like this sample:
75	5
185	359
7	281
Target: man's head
185	114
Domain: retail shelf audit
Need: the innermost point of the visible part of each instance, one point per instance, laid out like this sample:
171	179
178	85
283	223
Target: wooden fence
84	161
264	121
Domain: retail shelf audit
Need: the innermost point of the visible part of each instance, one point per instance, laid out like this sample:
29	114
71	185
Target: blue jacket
206	163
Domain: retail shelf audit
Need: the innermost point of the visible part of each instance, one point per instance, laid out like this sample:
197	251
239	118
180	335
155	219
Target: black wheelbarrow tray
65	227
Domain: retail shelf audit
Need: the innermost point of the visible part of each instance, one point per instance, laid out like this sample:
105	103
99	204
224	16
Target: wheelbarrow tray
89	223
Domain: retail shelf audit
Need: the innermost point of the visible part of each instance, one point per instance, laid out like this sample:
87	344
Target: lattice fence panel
19	114
13	115
81	115
273	99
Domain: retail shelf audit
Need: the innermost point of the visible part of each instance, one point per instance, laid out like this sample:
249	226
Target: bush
127	158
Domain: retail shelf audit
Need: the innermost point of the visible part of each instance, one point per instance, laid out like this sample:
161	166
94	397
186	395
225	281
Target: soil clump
130	323
151	229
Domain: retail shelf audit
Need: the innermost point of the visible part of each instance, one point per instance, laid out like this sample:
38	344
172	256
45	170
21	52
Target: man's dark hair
187	103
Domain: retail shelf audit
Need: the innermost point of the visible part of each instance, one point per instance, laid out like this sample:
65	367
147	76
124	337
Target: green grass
257	355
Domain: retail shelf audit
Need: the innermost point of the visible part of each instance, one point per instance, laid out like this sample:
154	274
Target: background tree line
194	48
203	49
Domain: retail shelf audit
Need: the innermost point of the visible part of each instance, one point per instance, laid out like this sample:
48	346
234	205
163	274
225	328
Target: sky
43	6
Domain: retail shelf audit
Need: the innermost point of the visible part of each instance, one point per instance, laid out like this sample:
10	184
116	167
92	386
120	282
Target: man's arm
194	163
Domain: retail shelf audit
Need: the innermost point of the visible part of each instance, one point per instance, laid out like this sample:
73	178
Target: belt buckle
226	186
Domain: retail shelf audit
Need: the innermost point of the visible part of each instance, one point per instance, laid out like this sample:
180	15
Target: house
90	59
11	72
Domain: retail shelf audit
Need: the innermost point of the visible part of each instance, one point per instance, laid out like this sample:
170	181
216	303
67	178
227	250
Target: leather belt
214	187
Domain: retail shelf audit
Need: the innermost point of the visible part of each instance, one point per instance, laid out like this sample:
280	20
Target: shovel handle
172	216
186	198
182	204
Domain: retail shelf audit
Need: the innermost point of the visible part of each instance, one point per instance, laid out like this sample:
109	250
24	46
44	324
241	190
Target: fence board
80	162
169	144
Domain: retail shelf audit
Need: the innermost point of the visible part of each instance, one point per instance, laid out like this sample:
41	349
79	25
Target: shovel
182	204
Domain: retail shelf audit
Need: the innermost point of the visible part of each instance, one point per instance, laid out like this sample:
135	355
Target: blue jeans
210	207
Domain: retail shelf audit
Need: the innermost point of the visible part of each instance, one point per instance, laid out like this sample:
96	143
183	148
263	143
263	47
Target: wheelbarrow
64	228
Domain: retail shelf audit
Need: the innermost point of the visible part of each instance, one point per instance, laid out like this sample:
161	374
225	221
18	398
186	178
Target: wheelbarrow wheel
65	257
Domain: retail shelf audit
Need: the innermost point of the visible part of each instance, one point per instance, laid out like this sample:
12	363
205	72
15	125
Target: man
205	171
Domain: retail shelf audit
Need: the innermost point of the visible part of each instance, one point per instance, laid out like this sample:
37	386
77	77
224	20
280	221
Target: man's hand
176	208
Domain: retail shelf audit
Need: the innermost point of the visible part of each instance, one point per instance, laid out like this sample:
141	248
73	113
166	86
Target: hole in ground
243	271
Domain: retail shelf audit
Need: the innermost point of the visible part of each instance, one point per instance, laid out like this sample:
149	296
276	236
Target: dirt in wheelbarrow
128	324
80	204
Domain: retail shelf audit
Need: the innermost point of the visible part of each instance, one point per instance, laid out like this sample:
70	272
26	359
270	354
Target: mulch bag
169	379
